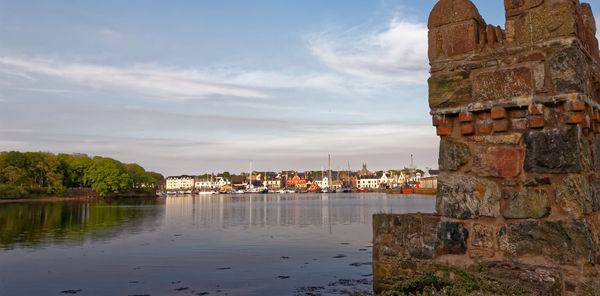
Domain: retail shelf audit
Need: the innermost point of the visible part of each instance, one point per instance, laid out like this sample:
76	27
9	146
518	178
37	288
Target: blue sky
201	86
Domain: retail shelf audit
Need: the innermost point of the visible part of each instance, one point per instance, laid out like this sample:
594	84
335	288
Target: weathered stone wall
518	113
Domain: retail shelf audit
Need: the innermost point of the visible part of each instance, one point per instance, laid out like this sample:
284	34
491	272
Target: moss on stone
450	281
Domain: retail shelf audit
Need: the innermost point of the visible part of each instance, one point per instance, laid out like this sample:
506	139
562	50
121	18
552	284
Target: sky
191	87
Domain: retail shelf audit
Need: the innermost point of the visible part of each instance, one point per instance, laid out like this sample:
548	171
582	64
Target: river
305	244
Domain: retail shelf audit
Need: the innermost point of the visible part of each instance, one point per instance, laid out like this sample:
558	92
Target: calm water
220	245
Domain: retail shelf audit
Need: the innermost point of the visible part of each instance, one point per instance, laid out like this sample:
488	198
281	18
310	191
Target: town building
179	182
296	182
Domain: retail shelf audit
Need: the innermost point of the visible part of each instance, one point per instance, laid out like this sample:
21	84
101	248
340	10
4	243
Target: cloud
144	79
183	84
396	54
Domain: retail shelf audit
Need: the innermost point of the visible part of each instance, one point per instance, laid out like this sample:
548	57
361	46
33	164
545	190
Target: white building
212	183
367	182
179	182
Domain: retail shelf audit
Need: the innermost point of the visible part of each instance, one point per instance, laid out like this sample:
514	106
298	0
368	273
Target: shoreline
45	199
75	198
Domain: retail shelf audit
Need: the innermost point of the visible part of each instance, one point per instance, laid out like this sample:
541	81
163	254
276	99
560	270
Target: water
190	245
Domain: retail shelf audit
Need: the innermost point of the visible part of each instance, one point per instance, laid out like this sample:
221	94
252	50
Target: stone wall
518	113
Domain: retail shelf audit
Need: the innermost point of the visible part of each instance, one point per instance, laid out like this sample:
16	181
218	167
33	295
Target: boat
257	190
408	190
207	192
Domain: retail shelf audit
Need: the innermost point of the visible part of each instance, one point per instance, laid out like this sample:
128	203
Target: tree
157	179
74	168
139	177
108	176
13	175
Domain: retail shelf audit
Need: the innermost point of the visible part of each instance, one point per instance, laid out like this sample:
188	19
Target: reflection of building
179	182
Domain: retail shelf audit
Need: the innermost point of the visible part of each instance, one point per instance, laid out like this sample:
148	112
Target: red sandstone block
465	116
536	109
519	124
501	125
467	129
537	122
575	118
518	113
498	113
484	128
576	106
444	130
536	56
440	120
509	162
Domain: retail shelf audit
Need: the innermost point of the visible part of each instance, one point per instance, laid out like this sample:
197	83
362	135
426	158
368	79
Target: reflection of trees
35	224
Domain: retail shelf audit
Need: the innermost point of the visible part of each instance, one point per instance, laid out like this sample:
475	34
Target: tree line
24	174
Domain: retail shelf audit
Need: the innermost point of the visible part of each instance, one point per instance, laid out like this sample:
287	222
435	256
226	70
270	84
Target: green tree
139	177
13	175
157	179
108	176
74	168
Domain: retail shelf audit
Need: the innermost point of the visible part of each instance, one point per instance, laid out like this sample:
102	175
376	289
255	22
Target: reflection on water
272	210
221	245
39	224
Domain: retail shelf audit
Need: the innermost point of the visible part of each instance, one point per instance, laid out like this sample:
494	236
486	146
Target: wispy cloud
144	79
183	84
396	54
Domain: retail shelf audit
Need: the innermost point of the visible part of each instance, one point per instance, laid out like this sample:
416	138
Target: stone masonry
518	113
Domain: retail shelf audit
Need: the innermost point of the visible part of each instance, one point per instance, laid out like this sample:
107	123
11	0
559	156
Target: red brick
467	129
536	109
501	125
440	120
483	116
576	105
498	113
575	118
444	130
518	113
465	116
537	122
485	128
519	124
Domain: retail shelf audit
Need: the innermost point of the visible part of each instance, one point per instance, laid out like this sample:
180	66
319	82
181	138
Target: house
239	181
336	184
296	182
179	182
211	182
367	182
